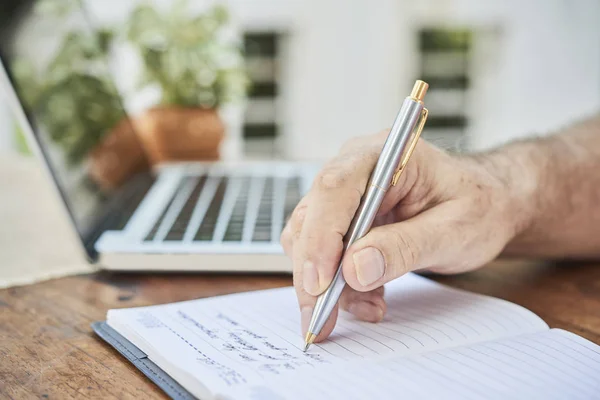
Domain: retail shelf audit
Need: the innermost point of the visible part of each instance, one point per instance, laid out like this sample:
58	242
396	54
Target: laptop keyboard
227	209
235	227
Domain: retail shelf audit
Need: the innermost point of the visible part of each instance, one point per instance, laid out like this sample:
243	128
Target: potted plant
196	69
80	109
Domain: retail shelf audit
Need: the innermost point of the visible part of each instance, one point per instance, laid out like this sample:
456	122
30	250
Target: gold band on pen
378	187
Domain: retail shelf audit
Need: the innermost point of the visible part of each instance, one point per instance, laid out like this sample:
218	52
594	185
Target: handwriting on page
422	316
237	351
250	337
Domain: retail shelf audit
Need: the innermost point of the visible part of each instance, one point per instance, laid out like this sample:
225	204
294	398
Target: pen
398	147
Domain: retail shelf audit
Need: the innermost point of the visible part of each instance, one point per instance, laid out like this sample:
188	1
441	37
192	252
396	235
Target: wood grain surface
48	350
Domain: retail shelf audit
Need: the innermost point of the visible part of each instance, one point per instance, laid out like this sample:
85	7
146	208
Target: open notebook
435	342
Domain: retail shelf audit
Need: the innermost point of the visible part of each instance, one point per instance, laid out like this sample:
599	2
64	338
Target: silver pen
398	147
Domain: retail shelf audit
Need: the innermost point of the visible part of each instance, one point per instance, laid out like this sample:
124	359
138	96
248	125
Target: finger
366	306
306	302
292	229
334	199
297	219
390	251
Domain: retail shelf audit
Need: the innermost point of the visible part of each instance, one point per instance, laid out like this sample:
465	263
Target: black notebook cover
141	361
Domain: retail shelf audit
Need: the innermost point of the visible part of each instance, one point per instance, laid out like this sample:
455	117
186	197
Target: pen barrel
397	140
387	164
379	182
359	227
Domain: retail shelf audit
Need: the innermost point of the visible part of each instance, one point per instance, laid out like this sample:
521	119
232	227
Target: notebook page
251	338
553	364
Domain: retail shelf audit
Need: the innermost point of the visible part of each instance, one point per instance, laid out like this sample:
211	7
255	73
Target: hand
447	214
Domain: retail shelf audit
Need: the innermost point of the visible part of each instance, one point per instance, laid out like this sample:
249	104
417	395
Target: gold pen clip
411	148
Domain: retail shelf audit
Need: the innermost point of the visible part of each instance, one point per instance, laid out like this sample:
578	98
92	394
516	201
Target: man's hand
446	214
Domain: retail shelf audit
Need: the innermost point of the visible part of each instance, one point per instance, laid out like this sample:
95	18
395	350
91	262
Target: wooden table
47	349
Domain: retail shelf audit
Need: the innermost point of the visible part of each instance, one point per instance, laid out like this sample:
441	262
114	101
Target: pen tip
308	340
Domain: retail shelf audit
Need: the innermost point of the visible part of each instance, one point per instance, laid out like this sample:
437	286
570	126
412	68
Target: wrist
518	174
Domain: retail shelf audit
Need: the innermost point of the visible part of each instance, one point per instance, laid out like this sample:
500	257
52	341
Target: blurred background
294	79
115	87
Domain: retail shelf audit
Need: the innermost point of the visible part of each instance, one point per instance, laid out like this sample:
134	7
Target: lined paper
554	364
253	338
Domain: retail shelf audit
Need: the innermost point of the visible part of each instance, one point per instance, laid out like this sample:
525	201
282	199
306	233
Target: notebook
435	342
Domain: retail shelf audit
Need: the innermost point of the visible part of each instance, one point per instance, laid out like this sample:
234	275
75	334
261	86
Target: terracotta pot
180	134
117	157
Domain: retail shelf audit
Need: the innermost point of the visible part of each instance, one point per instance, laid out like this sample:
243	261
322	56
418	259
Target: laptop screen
58	68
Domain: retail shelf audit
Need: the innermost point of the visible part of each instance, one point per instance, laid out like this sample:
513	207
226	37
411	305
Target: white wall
535	67
345	73
536	63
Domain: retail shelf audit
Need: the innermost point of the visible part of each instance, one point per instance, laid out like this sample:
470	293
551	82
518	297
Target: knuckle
298	216
285	236
296	236
302	205
332	177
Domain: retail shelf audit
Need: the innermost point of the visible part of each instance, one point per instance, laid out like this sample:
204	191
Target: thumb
390	251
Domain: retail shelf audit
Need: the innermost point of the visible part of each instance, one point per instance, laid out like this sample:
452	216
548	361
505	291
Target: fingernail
310	278
305	316
366	311
369	264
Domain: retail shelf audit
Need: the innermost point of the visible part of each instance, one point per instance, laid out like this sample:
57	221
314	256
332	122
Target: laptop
192	216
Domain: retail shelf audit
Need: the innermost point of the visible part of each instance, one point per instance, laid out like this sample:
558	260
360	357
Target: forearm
554	187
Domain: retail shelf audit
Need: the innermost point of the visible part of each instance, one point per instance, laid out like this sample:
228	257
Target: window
444	65
260	124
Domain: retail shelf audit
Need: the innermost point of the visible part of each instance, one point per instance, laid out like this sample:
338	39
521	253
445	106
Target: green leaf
185	55
220	14
144	20
56	8
105	39
179	9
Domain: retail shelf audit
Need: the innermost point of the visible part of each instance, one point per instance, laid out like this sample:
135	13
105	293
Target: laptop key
150	236
262	225
235	227
207	227
178	229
